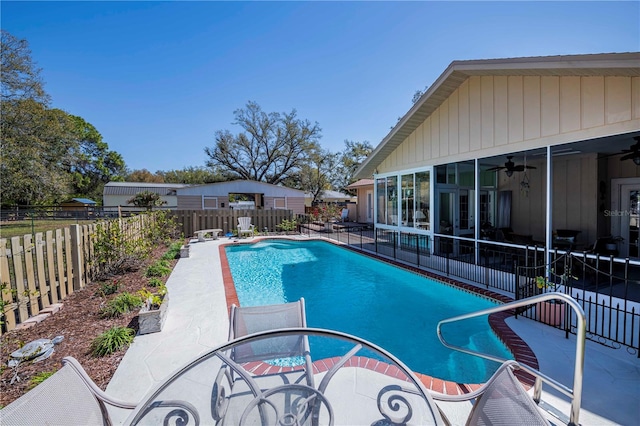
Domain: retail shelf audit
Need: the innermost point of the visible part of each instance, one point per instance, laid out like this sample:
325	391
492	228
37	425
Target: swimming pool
387	305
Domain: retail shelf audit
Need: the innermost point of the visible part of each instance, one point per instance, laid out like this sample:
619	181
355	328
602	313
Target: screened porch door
629	219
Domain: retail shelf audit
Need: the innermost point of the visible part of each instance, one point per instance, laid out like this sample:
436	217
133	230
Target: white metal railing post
576	393
549	211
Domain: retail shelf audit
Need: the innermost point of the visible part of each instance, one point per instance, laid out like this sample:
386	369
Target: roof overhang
606	64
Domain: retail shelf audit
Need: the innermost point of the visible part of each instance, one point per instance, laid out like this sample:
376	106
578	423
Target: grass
111	341
20	228
120	305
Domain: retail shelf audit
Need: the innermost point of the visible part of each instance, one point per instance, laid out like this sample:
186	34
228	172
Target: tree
93	164
47	154
20	78
315	176
350	159
192	175
146	199
272	148
35	151
418	94
144	175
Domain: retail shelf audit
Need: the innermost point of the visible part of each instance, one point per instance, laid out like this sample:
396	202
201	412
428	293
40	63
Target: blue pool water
396	309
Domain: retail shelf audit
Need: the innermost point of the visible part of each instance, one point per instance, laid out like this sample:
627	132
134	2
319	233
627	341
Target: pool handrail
576	393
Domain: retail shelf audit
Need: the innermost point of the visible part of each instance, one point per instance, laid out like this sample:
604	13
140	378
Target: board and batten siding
296	204
495	115
189	202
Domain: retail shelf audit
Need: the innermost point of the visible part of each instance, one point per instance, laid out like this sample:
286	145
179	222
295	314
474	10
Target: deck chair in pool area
344	216
69	397
245	226
235	388
253	319
500	401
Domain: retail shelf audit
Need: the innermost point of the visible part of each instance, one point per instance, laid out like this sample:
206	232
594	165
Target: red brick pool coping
521	351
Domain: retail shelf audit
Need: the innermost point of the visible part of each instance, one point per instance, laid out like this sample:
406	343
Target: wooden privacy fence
39	270
227	220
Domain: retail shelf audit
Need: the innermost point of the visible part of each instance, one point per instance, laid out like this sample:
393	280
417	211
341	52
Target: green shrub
173	252
39	378
158	269
111	341
108	288
120	305
155	282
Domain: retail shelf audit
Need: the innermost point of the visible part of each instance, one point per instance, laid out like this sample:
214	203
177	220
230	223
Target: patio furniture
565	239
253	319
69	397
360	383
344	215
245	226
203	232
500	401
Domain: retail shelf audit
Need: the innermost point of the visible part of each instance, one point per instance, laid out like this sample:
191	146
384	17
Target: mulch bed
79	322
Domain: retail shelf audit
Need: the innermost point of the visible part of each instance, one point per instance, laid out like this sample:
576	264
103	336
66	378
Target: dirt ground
79	322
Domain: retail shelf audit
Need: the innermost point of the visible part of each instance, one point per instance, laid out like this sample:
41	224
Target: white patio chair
245	226
69	397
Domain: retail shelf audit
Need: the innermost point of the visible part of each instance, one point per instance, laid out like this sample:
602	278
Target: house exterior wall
296	204
194	202
494	115
358	212
189	202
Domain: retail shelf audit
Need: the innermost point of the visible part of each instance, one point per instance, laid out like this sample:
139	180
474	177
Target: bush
111	341
288	225
155	282
120	305
162	227
108	288
115	251
158	269
173	252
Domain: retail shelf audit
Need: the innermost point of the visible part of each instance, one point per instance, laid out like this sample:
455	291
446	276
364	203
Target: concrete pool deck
198	322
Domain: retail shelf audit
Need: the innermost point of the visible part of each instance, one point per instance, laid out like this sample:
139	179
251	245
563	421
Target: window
381	193
422	200
280	203
392	200
407	200
408	208
209	202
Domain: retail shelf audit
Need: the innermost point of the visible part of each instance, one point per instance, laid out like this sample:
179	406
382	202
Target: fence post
447	262
77	258
394	233
517	284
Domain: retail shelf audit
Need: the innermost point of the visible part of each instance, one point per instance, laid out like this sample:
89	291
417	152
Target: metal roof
132	188
82	200
605	64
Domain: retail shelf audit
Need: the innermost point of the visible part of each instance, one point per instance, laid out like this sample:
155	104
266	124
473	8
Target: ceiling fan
510	167
633	152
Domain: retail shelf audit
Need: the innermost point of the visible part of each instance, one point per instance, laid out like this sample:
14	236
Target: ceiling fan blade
530	167
519	168
495	168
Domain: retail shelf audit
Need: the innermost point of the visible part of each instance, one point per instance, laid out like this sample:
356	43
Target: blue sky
157	79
